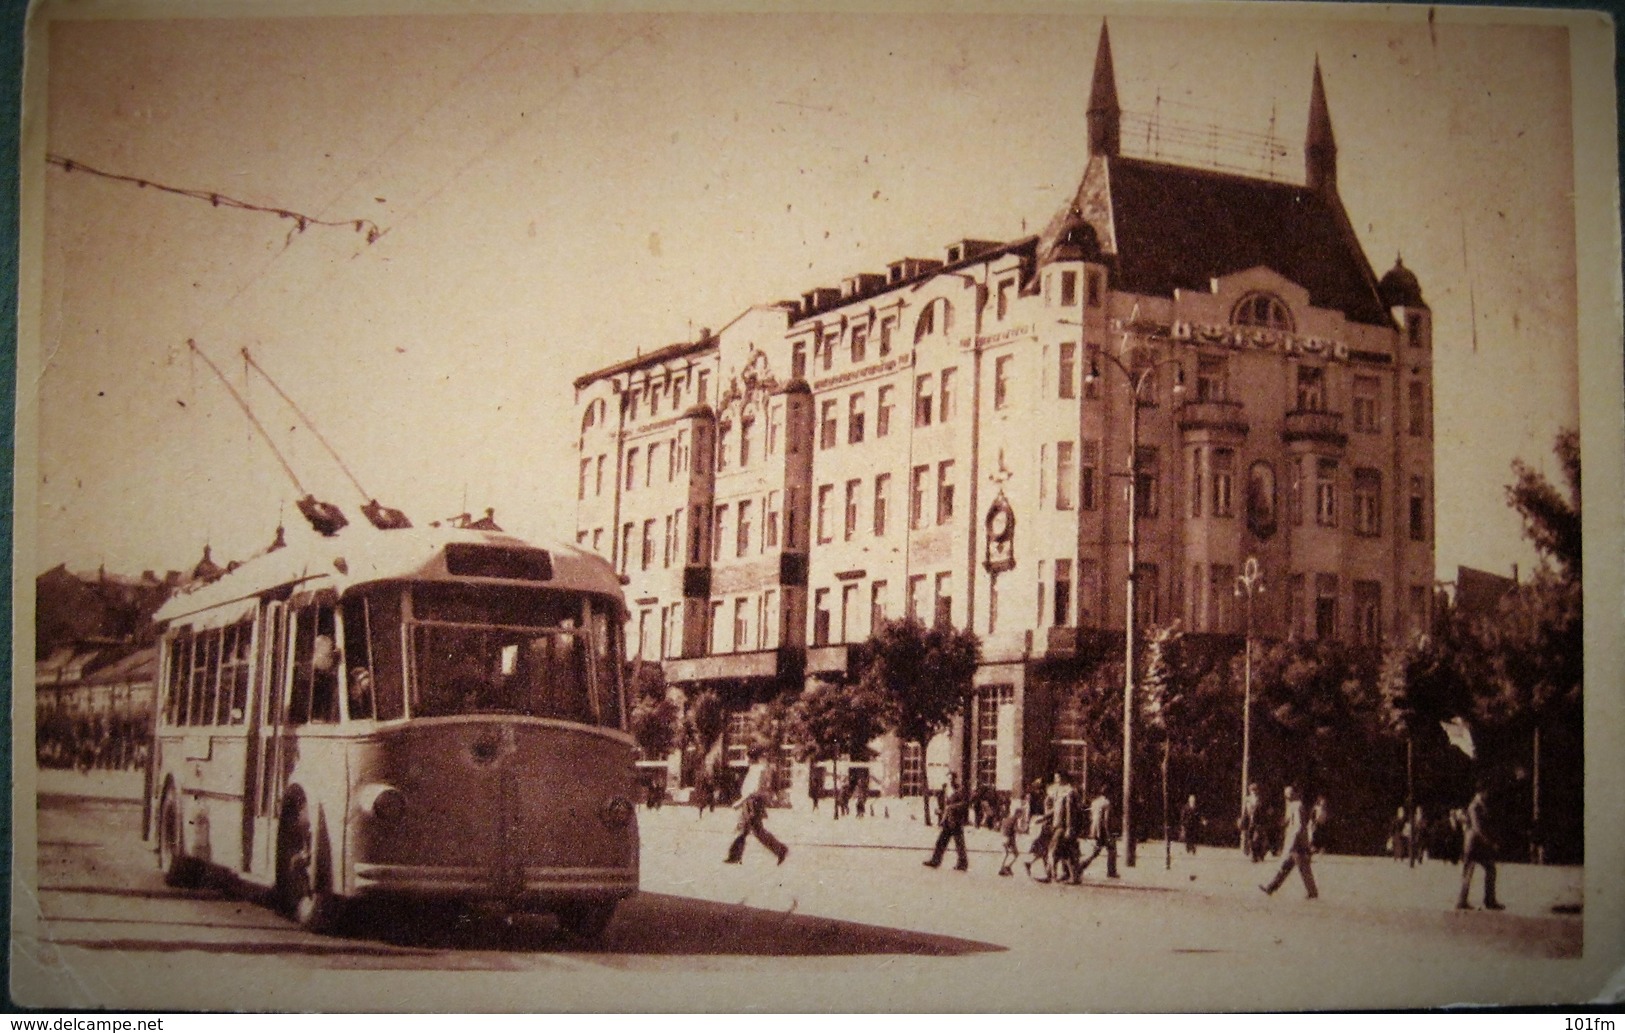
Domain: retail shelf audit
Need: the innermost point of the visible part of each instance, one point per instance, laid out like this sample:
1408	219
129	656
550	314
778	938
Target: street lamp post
1136	383
1250	582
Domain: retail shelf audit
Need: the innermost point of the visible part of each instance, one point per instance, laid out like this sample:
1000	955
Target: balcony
1307	425
1212	415
1073	641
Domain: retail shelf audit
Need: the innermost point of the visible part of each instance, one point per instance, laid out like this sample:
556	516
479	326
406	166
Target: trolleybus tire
303	878
585	921
179	870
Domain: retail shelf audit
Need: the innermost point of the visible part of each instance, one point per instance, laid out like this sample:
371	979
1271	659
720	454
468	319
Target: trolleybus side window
234	673
180	678
316	668
360	689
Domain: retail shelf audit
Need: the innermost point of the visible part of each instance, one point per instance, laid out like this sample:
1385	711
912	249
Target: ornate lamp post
1136	382
1249	583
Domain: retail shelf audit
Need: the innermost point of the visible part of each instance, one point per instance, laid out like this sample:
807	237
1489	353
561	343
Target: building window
1294	605
721	535
1147	597
888	327
630	479
854	419
949	407
1063	593
825	493
1417	399
598	476
1325	605
1262	310
1067	376
1224	482
831	339
1088	475
1367	502
1006	288
581	537
798	360
1413	329
1368	612
916	497
883	489
1196	482
1366	393
988	703
581	485
926	324
851	524
1221	595
1094	284
702	387
943	612
1069	288
922	400
911	777
1088	591
877	603
1043	476
724	444
1311	388
697	534
743	545
849	613
1147	475
1212	375
768	624
1326	492
1418	511
860	343
665	543
1070	744
883	409
1064	472
747	442
598	540
916	595
1001	381
626	546
741	626
827	424
771	531
1042	588
820	627
775	428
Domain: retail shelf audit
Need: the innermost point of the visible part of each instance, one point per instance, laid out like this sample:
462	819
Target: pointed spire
1104	114
1319	147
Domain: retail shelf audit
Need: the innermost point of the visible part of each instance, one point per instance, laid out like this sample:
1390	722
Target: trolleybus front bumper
474	882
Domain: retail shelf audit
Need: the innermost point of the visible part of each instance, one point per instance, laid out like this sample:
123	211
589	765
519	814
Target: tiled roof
1178	227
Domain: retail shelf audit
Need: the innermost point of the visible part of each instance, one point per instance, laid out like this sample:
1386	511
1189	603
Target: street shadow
655	925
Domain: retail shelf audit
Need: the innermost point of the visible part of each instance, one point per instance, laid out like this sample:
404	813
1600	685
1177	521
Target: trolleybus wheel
178	869
303	884
585	921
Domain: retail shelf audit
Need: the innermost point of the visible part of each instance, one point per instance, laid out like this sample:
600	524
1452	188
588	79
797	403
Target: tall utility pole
1250	583
1136	384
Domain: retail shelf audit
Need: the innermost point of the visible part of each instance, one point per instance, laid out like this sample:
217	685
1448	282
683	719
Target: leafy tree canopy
926	673
832	720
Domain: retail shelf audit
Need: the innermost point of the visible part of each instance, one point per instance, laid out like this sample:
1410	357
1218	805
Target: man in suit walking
951	817
1478	847
1295	845
1101	831
752	816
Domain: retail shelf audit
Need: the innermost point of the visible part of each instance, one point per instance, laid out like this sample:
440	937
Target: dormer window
1265	310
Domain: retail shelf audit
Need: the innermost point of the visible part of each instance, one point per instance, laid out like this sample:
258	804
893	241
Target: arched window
936	317
593	415
1264	310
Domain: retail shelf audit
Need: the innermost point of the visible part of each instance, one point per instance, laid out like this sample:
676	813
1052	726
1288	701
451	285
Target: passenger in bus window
360	694
324	680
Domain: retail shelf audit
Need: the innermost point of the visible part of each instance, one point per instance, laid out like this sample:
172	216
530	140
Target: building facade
954	438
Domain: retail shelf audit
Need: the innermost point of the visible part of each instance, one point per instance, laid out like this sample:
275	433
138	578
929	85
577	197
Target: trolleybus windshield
479	649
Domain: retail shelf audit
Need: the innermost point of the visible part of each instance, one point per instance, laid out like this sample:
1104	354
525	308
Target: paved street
851	921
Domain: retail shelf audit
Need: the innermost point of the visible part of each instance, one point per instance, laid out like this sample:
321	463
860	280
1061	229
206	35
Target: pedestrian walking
1478	847
1064	827
1320	818
1295	844
815	784
1012	823
704	797
1399	831
1189	819
951	822
752	822
1101	831
1250	824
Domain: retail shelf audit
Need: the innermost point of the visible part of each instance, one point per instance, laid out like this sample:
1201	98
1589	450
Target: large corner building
951	438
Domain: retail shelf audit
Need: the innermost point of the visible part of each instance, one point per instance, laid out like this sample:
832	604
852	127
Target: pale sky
559	191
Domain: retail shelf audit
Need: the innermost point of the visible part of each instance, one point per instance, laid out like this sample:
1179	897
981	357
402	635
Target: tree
926	673
835	719
771	728
706	720
1551	518
1161	703
654	713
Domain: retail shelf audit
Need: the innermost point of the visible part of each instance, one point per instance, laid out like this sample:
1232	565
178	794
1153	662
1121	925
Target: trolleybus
416	713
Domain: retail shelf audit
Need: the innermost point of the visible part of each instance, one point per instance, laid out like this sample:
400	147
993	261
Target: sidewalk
1370	883
93	785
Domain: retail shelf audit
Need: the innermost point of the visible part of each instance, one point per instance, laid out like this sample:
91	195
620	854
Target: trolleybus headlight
616	812
386	803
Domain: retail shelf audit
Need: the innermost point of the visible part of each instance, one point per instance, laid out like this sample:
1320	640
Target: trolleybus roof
363	555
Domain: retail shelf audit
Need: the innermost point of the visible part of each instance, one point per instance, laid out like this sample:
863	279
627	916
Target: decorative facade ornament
1001	536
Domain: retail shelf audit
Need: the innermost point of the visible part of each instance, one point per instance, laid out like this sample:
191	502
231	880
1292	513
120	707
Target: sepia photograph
1064	508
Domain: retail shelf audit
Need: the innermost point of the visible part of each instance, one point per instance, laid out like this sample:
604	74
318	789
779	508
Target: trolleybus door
265	774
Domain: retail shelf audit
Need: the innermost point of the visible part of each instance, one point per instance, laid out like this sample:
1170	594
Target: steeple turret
1104	114
1319	148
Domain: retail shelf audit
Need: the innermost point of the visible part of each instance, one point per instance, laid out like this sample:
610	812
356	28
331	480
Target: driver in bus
360	694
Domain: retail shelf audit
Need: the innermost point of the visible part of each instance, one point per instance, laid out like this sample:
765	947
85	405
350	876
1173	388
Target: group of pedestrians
1057	816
